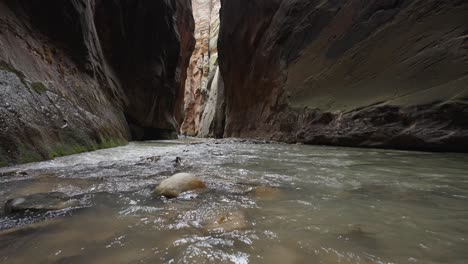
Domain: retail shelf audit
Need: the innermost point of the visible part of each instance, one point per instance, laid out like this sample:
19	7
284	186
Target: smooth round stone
173	186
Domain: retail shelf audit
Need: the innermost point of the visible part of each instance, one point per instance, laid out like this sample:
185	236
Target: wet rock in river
360	235
177	161
152	159
10	234
358	231
13	173
268	193
173	186
228	222
40	202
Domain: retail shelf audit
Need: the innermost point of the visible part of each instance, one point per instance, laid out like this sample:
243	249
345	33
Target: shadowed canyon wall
360	73
79	75
204	95
84	74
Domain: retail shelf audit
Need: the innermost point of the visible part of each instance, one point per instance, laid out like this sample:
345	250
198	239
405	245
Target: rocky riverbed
263	203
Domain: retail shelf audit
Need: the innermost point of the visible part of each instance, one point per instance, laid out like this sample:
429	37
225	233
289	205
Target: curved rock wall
141	40
352	73
84	74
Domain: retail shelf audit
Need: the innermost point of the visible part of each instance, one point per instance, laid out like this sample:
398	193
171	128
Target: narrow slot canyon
343	74
347	74
233	131
204	105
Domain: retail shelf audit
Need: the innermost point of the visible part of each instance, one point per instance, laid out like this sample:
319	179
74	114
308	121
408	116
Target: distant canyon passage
80	75
204	88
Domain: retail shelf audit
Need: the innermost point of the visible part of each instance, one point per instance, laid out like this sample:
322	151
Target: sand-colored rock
173	186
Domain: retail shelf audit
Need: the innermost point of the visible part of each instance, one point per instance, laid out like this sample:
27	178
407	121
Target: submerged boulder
13	173
227	222
40	202
268	193
285	255
173	186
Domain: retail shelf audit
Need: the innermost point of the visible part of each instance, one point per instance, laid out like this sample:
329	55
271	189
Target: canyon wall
204	96
84	74
390	74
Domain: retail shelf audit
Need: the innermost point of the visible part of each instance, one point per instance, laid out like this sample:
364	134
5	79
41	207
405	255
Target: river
290	204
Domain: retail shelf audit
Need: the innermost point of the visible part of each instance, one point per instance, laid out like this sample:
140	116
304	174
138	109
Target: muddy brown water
277	203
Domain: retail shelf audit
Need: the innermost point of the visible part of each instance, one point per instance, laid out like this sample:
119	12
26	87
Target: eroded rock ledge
390	74
83	74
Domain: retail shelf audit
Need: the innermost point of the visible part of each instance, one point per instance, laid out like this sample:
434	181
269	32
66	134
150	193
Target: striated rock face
204	88
83	74
352	73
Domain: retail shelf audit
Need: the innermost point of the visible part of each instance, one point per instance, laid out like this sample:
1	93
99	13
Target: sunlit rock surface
204	90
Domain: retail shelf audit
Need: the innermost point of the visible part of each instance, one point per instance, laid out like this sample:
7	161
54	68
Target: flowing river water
281	204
